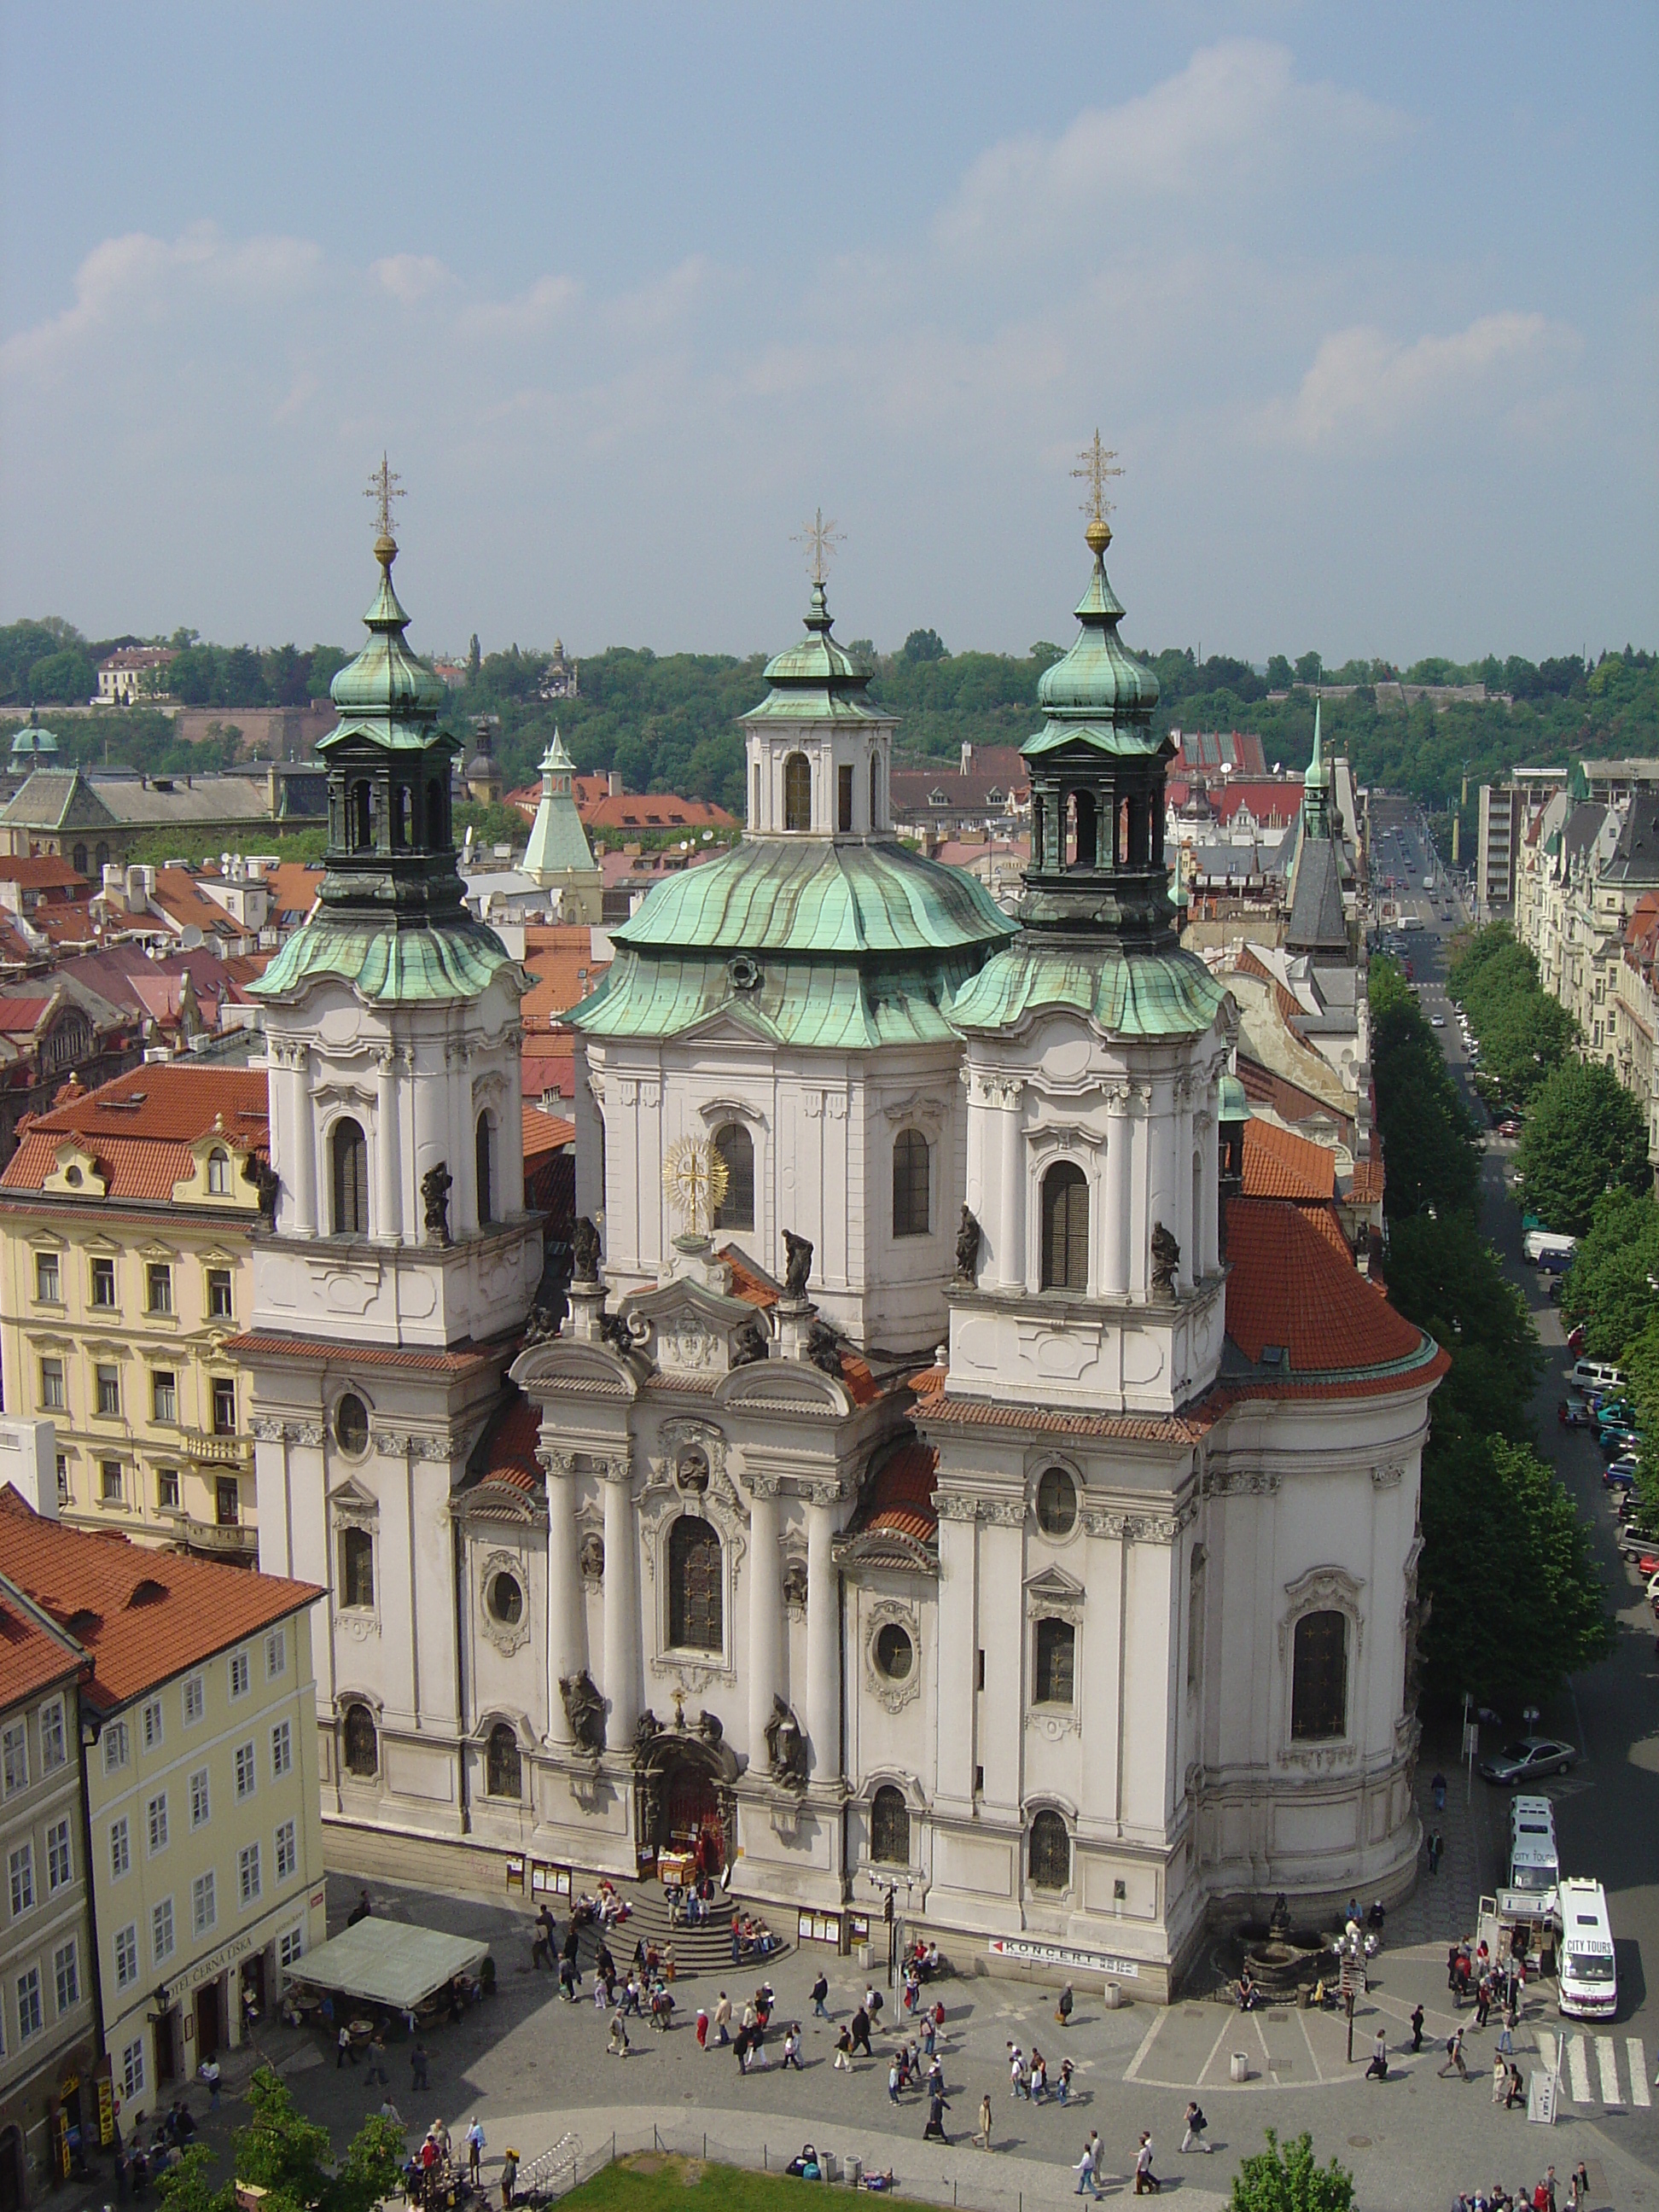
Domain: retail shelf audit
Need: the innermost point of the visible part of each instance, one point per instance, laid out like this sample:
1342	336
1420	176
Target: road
1608	1809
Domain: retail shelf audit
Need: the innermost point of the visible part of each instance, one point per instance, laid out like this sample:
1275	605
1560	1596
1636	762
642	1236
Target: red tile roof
507	1452
32	1658
656	810
900	1496
140	1127
39	873
20	1017
144	1615
1288	1287
544	1133
1278	1164
1365	1184
462	1359
749	1281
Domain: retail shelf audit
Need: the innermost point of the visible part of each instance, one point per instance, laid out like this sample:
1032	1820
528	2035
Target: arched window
1048	1859
1056	1648
1056	1502
102	857
890	1827
875	792
349	1160
403	817
359	834
437	815
357	1567
910	1183
844	797
503	1768
78	860
483	1149
362	1743
737	1148
1085	829
694	1596
798	792
1319	1680
1064	1228
219	1174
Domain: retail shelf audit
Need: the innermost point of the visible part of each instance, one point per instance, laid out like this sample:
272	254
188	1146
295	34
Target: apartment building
126	1216
1507	811
48	2111
200	1773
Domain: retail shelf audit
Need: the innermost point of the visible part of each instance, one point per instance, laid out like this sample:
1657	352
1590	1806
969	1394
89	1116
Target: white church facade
942	1474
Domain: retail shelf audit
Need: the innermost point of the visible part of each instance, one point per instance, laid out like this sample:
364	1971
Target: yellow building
203	1811
125	1218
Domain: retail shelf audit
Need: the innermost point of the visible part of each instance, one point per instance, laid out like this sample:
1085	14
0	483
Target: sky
1366	300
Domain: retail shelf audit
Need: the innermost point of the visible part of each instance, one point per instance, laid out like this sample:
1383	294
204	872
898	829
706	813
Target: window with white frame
152	1723
248	1873
241	1674
195	1699
156	1815
201	1810
290	1946
54	1749
115	1745
126	1956
30	2019
276	1654
48	1280
203	1904
15	1757
22	1867
287	1851
161	1930
108	1376
132	2071
120	1848
60	1858
281	1749
164	1395
66	1975
51	1386
247	1773
158	1287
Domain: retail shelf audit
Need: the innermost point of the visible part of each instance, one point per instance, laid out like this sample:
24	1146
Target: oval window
895	1655
351	1424
506	1599
1056	1503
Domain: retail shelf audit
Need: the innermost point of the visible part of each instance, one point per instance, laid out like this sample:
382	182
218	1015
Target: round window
351	1424
1056	1503
506	1599
895	1655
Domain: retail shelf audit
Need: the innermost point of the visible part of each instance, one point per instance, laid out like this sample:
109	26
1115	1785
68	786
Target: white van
1533	1867
1541	1244
1532	1820
1590	1376
1588	1987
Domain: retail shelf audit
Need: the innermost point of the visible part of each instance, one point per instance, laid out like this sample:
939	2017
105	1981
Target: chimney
614	784
967	757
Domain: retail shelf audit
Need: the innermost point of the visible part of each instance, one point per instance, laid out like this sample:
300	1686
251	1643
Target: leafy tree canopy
1428	1140
924	645
1607	1287
1584	1135
1284	2178
292	2158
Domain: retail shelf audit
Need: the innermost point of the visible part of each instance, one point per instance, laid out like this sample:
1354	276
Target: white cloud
1364	386
545	302
1235	114
410	277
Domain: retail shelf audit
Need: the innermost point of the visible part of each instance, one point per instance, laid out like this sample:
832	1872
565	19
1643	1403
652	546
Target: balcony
216	1451
235	1541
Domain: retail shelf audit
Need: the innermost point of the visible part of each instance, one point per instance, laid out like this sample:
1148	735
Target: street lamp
886	1887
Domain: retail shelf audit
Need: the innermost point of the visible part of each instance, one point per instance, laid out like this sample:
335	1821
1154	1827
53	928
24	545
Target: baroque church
936	1472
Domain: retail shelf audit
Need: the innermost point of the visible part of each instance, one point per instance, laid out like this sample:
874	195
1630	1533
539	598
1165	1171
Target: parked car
1527	1758
1573	1413
1576	1340
1509	1126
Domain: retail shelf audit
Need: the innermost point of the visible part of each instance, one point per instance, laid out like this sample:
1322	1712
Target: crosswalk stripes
1579	2052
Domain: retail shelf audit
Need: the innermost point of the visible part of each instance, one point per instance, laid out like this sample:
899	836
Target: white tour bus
1535	1864
1590	1979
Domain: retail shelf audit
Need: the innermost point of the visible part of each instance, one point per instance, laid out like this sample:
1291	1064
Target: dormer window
218	1174
798	792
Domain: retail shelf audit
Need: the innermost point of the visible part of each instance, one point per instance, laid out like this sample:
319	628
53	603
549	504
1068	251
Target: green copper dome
1125	991
816	680
1099	693
384	692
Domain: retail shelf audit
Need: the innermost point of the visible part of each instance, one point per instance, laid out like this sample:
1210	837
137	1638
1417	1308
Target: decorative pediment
694	1330
196	1188
1052	1594
350	1502
787	1386
498	1502
77	1173
559	1364
922	1108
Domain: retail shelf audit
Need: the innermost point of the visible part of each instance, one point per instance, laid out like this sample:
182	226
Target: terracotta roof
293	887
41	872
140	1127
544	1133
748	1281
177	895
900	1496
461	1359
548	1064
505	1453
65	925
1365	1183
144	1615
565	973
1269	799
32	1658
20	1017
1263	1087
658	810
1287	1287
1280	1164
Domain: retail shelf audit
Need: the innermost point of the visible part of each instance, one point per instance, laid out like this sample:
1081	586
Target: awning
388	1962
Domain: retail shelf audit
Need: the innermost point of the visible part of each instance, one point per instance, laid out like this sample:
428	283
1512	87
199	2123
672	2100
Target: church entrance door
693	1810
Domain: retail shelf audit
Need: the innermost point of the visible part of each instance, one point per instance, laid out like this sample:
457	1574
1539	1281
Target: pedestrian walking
1087	2181
1549	2186
1145	2179
1500	2077
935	2127
1506	2037
844	2051
820	1991
757	2047
475	2151
417	2066
617	2046
541	1948
723	2019
982	2133
792	2048
343	2048
1016	2086
1196	2124
1416	2028
509	2176
1039	2077
893	2082
1454	2057
210	2076
1378	2068
1516	2094
702	2027
861	2033
1063	2009
389	2111
1064	2088
1438	1785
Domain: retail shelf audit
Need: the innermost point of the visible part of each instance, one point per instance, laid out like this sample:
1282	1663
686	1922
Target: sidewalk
1444	1905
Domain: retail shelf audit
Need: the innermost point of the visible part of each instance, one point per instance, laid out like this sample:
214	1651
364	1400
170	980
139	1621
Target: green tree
492	825
1585	1135
1444	1276
1608	1287
1280	674
1307	666
1285	2179
293	2159
1428	1139
67	678
474	659
924	645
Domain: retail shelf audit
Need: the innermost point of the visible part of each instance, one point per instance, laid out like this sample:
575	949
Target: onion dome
385	684
1098	680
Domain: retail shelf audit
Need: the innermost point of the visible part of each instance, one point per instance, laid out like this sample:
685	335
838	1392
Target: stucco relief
955	1505
887	1612
1322	1589
508	1636
1387	1478
1239	1482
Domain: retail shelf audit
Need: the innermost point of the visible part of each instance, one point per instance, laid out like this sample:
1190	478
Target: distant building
93	817
559	857
1506	811
562	679
481	777
1231	752
989	790
132	672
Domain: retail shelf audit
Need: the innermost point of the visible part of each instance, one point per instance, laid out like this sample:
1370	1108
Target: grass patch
663	2181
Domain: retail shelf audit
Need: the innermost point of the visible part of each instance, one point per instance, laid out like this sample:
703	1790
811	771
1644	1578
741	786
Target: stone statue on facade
645	1733
822	1350
794	1582
708	1726
969	1236
585	1252
1166	1258
590	1557
435	1186
539	1325
266	1182
584	1708
748	1345
786	1746
798	1266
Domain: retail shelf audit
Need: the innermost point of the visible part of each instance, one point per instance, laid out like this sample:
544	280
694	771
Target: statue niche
786	1746
584	1709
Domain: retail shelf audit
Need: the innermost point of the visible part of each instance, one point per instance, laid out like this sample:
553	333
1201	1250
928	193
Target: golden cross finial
820	538
1097	471
383	490
695	1176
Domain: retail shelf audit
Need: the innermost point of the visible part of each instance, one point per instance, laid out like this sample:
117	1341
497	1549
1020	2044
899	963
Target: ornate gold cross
1097	471
384	489
695	1177
820	538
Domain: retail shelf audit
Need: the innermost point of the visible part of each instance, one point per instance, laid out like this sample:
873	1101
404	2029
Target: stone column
1142	1208
765	1609
463	1197
303	1166
822	1635
388	1195
1209	1172
958	1641
1013	1186
621	1607
1119	1145
1184	1224
566	1638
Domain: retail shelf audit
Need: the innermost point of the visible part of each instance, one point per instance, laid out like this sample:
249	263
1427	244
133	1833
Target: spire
1316	788
558	849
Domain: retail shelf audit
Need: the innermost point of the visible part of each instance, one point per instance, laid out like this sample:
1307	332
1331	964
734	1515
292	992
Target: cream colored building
201	1784
126	1215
